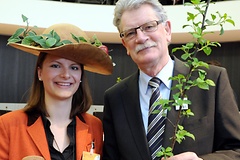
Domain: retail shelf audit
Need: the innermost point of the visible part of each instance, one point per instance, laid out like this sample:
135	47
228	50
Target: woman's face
61	77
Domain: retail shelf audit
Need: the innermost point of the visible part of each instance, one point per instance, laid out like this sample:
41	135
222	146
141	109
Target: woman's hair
81	101
124	5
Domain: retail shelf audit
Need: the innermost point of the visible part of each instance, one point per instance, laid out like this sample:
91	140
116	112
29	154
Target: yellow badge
33	158
90	156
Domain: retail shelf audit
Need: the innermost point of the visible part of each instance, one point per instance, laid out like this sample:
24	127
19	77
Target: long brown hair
81	101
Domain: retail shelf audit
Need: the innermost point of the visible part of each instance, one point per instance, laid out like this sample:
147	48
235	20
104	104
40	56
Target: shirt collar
163	75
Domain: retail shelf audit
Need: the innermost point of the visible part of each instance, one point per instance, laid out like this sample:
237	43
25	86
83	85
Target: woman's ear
39	74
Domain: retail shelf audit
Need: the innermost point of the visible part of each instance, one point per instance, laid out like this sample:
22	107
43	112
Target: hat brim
93	58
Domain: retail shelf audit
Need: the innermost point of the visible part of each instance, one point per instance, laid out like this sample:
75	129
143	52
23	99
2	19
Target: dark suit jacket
22	136
216	124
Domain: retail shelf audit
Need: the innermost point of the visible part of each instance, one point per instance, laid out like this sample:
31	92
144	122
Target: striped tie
155	121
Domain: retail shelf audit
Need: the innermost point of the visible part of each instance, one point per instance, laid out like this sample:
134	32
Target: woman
54	124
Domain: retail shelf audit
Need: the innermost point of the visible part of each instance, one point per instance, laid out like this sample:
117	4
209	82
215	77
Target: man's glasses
146	27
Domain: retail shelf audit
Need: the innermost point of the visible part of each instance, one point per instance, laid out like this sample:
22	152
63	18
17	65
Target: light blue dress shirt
145	91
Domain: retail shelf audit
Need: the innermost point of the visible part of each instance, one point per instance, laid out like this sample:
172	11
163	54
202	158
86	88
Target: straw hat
93	58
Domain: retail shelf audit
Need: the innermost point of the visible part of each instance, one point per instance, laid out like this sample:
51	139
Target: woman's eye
55	66
75	68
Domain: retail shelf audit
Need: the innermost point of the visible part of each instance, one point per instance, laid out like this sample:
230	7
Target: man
146	34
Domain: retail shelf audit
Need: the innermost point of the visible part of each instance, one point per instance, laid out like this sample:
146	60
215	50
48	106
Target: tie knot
154	82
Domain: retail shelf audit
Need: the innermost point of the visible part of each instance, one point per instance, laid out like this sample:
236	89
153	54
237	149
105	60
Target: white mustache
147	44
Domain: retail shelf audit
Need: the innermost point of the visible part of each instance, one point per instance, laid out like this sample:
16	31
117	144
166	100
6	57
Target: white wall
98	18
16	106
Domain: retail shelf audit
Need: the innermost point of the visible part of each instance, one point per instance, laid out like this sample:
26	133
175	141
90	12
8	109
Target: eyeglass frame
122	35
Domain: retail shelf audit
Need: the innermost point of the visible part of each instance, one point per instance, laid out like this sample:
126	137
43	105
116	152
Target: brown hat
93	58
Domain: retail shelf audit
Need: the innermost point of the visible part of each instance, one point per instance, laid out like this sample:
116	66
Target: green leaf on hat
50	42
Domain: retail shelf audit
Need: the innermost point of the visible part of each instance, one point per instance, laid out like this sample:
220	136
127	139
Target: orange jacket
18	139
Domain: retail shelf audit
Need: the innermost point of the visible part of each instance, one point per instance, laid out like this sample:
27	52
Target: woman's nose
65	74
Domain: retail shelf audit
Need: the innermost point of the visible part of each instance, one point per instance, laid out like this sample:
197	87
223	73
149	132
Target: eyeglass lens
146	27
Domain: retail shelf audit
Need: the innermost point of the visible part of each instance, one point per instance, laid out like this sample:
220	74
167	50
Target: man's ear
124	44
168	30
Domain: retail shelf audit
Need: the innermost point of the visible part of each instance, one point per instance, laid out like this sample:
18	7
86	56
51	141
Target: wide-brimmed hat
92	57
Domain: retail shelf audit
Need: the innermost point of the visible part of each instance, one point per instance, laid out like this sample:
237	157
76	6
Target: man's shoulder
133	78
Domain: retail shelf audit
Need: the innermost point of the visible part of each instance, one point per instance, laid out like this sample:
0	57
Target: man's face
145	48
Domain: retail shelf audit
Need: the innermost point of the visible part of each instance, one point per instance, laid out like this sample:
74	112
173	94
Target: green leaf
195	35
155	111
185	56
78	39
184	26
165	152
75	38
180	127
230	21
50	42
190	135
96	41
18	32
210	82
209	22
27	41
207	50
24	18
42	43
49	35
221	31
14	40
32	33
66	42
187	113
168	149
203	86
203	64
36	38
82	39
190	45
200	78
191	16
56	36
213	16
58	44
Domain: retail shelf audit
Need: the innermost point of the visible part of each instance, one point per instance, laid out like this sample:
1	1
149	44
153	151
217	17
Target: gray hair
124	5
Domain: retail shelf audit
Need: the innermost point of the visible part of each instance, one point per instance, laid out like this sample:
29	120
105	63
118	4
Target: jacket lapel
84	139
179	68
37	133
130	96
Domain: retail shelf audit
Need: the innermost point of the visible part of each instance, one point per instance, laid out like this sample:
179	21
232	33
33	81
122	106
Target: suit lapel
37	133
179	68
83	138
130	96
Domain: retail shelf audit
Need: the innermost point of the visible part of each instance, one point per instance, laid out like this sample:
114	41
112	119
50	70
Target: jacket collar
132	105
179	68
37	133
128	93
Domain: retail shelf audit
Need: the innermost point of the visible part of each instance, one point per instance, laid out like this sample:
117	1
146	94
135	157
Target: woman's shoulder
89	118
14	116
